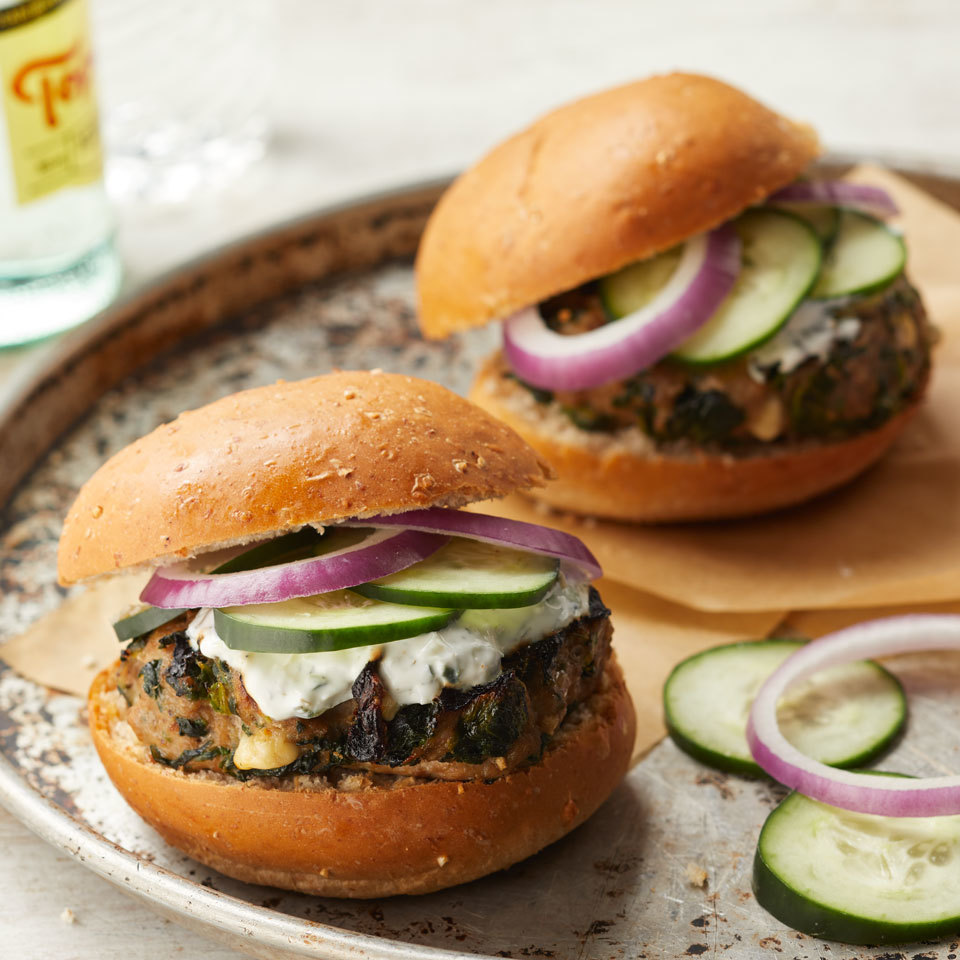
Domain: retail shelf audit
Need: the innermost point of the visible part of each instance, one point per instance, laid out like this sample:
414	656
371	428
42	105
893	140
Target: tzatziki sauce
811	331
462	654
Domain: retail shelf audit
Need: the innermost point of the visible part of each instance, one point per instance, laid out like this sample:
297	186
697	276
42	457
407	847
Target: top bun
597	184
275	458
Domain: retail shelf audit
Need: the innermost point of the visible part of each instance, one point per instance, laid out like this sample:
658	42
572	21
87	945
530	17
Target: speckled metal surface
618	887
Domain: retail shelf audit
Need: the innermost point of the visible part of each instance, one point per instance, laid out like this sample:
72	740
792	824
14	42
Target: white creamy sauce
463	654
811	331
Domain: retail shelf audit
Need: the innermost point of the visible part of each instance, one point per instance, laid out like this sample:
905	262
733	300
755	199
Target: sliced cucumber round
137	624
781	257
823	218
326	621
468	574
844	716
858	878
299	545
635	285
865	255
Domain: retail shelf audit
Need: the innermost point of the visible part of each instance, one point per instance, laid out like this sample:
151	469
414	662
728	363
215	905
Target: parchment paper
68	647
651	635
816	623
891	537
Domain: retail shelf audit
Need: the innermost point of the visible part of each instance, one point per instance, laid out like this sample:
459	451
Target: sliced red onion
886	796
378	555
579	563
706	273
838	193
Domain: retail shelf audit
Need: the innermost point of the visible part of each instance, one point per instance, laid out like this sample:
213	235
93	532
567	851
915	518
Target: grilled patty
192	711
860	385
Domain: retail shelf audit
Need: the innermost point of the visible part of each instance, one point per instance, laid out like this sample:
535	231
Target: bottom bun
622	477
374	836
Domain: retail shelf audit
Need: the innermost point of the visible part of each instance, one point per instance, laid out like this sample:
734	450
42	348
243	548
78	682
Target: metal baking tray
334	289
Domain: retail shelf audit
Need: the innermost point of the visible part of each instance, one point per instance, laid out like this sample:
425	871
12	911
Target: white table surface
366	95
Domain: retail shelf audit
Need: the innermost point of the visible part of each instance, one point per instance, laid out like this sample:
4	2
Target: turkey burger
691	328
340	683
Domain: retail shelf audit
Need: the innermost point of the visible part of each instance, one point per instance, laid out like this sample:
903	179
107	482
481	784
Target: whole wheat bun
620	476
373	840
594	185
271	459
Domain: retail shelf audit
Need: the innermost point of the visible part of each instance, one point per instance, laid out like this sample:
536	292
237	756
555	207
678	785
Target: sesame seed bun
272	459
367	836
597	184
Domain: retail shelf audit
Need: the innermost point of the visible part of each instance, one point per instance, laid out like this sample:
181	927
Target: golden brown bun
275	458
622	478
374	841
601	182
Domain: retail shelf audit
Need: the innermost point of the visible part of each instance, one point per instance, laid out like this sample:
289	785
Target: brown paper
651	636
816	623
891	537
70	645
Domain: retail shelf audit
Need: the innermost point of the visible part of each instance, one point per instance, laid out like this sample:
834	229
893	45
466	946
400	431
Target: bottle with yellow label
58	265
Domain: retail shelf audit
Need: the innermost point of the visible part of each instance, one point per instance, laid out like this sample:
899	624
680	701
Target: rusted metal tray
335	290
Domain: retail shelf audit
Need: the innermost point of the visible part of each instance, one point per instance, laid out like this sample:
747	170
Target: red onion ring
706	273
838	193
885	796
579	563
378	555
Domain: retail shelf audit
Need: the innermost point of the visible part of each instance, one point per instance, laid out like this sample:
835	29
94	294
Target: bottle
58	264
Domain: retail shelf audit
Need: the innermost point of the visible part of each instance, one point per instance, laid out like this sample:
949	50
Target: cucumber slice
137	624
858	878
293	546
824	219
636	284
844	716
866	255
326	621
781	260
304	543
467	574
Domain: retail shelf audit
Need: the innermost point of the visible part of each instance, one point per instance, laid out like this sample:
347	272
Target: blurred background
221	117
369	94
